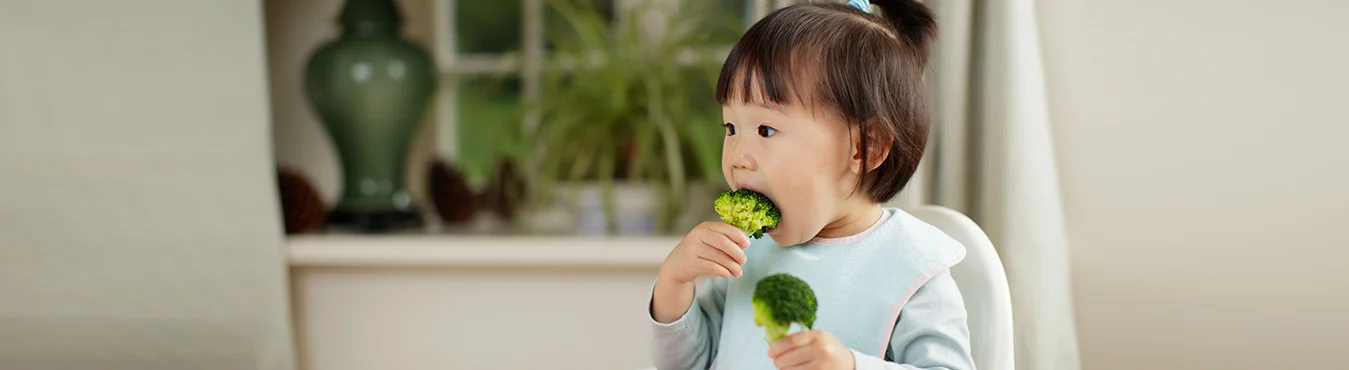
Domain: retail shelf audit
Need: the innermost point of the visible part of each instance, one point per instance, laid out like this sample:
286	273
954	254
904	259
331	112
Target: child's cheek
799	198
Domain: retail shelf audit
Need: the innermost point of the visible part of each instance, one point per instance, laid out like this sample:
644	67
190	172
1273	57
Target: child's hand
813	350
710	248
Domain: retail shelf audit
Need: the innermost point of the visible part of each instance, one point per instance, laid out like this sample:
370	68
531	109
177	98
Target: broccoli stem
776	331
763	317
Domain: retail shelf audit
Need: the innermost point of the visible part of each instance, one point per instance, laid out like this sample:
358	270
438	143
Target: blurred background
433	184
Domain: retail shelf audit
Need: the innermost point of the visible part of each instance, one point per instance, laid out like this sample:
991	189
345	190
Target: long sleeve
932	333
691	341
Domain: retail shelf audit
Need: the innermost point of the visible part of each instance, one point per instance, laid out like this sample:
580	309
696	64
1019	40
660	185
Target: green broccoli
748	210
781	299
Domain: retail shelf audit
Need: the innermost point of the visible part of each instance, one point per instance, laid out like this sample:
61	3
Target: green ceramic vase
371	89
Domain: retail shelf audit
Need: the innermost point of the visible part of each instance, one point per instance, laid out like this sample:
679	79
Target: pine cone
453	198
505	190
301	207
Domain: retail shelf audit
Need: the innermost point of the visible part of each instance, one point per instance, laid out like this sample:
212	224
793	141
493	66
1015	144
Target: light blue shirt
899	264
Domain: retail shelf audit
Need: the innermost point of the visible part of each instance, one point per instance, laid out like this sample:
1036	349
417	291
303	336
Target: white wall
1206	178
138	216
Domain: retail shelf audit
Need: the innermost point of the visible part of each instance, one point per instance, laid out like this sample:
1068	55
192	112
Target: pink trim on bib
885	215
913	288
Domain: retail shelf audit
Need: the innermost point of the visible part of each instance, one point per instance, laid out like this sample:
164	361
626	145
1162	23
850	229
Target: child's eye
730	129
766	131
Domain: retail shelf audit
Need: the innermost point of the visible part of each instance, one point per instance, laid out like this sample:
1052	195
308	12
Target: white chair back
983	283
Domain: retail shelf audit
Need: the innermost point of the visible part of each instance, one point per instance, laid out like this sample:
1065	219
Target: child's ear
878	146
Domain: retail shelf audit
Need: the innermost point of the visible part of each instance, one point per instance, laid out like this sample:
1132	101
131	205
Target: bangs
822	56
767	76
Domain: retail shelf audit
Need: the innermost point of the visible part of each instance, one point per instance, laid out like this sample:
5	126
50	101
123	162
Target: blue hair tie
864	5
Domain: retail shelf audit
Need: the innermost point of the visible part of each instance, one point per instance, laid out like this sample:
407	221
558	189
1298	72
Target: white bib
860	286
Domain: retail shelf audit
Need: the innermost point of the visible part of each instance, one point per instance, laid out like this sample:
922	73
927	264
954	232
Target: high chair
983	284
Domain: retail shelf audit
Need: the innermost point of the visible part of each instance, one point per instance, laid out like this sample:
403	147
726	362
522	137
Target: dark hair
864	68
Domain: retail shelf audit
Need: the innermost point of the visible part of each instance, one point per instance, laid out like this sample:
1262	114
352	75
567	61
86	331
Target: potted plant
627	126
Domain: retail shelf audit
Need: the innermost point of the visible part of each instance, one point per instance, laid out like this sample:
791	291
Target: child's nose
745	160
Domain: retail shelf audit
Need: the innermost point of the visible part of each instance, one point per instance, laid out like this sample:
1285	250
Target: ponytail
913	22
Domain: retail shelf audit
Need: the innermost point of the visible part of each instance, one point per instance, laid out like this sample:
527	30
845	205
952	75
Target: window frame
526	64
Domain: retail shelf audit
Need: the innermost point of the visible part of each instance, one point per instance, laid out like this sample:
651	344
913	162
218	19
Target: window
490	54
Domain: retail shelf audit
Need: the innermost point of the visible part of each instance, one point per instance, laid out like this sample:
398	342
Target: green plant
780	300
748	210
616	103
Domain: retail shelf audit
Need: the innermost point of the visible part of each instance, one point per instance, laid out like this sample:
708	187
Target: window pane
487	26
488	113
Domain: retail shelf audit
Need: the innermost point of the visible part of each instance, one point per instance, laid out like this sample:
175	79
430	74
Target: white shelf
430	250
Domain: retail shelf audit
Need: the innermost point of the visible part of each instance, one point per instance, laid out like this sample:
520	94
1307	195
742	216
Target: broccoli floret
748	210
780	300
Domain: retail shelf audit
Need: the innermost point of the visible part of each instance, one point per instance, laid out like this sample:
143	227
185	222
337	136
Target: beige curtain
991	158
139	225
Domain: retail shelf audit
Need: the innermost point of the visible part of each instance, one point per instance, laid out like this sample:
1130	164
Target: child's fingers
796	358
714	268
789	343
731	232
725	245
716	255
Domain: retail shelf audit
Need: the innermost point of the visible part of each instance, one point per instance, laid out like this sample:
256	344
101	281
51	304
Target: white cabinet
438	302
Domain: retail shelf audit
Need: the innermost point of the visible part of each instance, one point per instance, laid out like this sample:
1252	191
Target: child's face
799	159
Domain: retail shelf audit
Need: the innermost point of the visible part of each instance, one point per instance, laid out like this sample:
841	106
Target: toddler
825	113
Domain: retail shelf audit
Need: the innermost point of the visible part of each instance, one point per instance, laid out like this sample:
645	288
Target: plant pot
371	88
579	209
635	209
